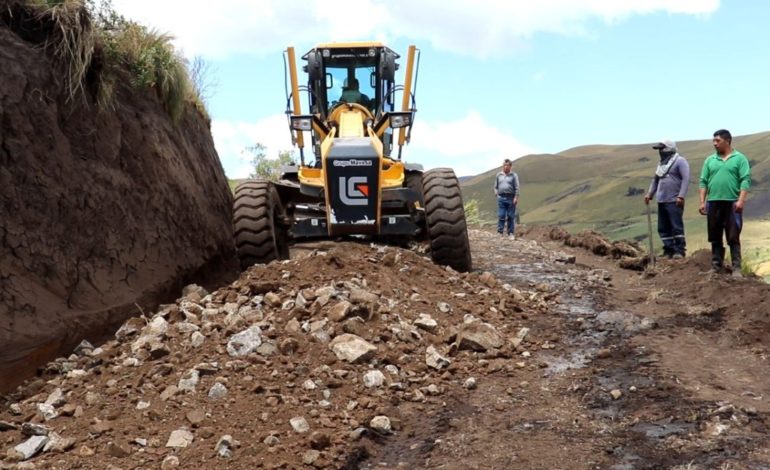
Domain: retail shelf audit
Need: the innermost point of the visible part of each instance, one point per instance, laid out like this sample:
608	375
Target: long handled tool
649	233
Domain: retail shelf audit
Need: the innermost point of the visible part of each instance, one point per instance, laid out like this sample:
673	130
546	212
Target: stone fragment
171	461
32	429
56	398
29	448
523	332
479	336
426	322
299	424
168	392
48	412
352	348
340	311
310	456
272	299
224	446
435	360
180	439
189	381
58	444
360	296
195	417
243	343
217	391
488	279
197	339
373	379
381	424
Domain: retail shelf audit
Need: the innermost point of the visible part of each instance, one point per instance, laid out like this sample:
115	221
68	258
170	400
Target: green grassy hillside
602	187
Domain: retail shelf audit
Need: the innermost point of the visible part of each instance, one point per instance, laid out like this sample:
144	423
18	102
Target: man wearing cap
507	192
669	186
724	184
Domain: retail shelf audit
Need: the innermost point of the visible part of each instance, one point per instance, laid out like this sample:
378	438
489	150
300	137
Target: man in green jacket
724	183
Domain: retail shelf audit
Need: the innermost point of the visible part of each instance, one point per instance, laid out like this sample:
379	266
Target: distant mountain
602	186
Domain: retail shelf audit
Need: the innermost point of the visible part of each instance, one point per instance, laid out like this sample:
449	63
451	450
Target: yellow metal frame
295	92
407	90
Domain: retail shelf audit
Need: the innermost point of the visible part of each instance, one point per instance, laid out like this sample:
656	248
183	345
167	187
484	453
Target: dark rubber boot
717	257
735	257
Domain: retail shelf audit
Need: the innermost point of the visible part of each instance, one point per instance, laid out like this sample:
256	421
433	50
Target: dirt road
631	371
370	357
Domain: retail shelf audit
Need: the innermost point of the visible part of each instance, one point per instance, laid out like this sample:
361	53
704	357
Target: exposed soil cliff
101	212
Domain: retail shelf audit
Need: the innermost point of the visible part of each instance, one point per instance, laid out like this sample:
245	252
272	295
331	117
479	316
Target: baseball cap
665	144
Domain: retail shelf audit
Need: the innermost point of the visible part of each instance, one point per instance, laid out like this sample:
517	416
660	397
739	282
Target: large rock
352	348
479	336
102	211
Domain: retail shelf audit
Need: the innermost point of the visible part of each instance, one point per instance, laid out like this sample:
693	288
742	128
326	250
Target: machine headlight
400	119
302	123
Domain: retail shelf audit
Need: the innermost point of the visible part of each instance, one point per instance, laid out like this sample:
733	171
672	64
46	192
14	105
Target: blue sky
497	78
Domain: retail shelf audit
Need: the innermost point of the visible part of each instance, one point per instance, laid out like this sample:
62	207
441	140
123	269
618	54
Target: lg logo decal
354	191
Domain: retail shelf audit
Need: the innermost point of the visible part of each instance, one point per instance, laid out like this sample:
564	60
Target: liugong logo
354	191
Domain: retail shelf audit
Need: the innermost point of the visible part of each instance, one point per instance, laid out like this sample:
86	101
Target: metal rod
649	233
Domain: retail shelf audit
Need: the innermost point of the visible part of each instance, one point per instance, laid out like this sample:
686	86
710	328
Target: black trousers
723	220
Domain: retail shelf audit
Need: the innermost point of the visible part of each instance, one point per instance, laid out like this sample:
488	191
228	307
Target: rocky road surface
363	356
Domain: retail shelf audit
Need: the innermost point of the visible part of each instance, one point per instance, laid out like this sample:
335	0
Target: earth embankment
102	211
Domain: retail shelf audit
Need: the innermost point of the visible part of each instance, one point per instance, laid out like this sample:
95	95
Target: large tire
445	219
257	213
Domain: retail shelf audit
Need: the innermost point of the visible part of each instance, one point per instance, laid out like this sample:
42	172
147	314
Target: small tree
472	212
265	167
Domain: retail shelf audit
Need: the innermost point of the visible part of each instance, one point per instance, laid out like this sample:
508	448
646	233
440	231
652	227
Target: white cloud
232	138
469	145
480	28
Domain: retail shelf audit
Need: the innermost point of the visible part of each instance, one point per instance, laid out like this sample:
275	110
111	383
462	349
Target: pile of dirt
102	212
306	361
364	356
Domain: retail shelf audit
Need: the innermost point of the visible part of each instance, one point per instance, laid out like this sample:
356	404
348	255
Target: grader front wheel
257	212
445	219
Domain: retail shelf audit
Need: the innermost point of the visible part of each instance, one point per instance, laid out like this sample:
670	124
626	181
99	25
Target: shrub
472	212
80	28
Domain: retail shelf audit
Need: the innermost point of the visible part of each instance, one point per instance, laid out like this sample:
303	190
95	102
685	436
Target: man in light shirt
669	187
507	193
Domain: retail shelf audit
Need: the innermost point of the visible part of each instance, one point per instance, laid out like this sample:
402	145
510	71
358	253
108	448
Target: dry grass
154	63
72	41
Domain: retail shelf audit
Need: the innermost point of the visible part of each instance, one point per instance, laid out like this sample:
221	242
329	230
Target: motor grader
352	184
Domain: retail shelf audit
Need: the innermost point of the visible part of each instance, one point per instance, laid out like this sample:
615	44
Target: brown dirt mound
591	240
101	212
183	370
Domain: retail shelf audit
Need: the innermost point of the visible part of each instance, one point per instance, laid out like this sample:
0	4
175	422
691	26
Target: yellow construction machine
352	185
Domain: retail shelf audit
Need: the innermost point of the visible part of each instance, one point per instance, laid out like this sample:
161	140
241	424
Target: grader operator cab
351	184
